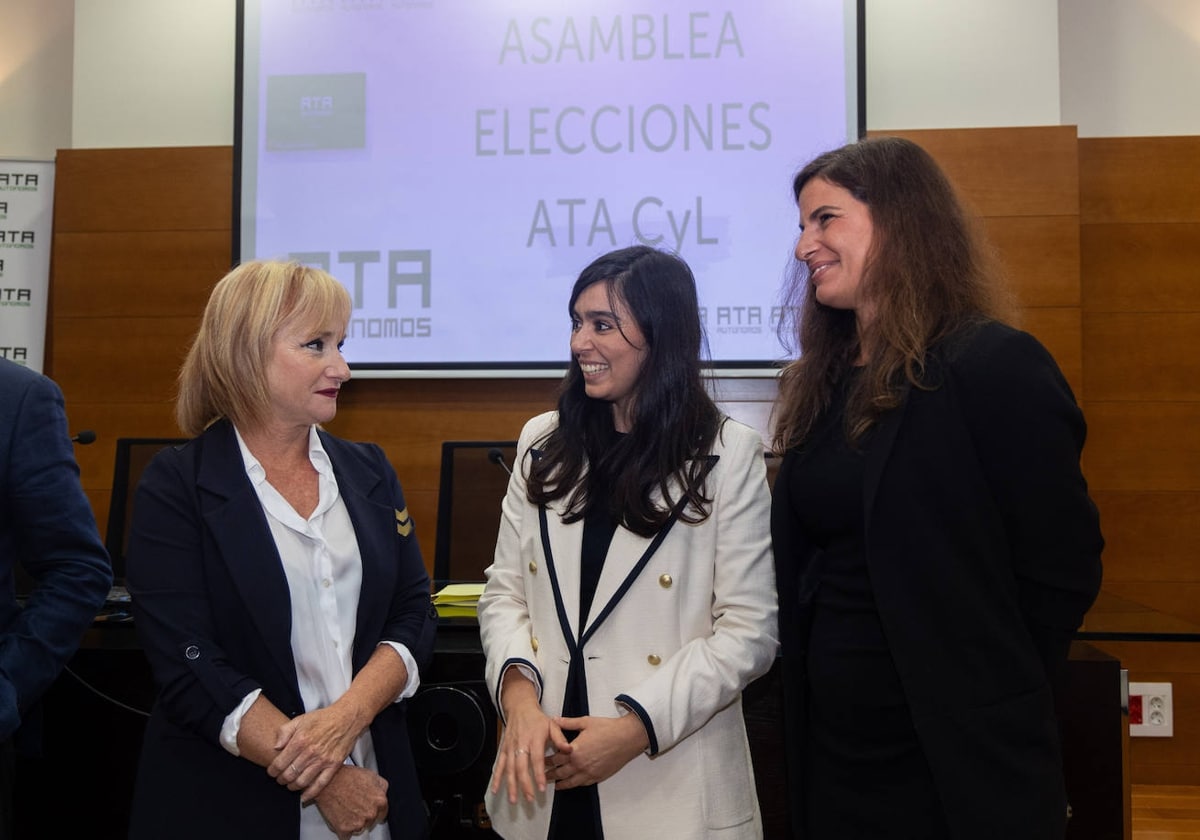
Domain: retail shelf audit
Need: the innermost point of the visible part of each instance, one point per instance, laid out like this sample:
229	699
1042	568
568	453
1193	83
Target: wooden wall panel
1139	180
110	421
1141	267
1041	255
1139	258
411	426
1146	447
144	190
1143	356
1146	535
130	360
156	272
1008	171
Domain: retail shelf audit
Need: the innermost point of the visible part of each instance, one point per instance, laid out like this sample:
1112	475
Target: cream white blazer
677	641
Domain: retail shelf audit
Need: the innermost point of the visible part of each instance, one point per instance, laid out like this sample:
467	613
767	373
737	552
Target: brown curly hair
930	271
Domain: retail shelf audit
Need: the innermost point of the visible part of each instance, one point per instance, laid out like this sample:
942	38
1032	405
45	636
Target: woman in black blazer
278	590
934	540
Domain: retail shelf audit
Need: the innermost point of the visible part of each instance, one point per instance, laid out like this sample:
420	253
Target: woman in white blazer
632	596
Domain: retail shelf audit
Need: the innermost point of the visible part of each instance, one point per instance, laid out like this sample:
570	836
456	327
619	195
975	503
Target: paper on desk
456	610
458	593
457	599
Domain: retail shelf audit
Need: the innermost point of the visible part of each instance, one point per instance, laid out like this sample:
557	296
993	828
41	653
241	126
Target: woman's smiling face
835	244
609	346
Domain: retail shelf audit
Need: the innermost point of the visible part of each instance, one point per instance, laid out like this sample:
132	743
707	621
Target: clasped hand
311	751
310	748
535	750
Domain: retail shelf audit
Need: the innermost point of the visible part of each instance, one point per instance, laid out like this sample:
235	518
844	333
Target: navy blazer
984	554
46	527
213	613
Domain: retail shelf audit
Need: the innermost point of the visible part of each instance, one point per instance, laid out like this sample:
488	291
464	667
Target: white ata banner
26	223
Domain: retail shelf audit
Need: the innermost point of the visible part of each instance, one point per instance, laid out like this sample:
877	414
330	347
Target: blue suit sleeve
52	533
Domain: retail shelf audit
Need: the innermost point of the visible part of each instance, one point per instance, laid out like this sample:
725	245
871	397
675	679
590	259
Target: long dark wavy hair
929	273
674	421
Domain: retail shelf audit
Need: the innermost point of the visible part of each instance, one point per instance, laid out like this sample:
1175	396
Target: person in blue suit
277	588
46	527
935	544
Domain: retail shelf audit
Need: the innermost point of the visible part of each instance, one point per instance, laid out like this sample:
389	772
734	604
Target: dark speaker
452	725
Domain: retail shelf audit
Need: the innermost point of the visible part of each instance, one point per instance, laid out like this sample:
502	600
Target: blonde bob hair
225	372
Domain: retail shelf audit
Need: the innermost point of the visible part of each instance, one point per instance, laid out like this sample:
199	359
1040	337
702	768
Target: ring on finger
520	751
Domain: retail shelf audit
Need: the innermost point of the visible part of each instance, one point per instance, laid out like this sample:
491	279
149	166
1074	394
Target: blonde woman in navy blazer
632	596
278	589
935	544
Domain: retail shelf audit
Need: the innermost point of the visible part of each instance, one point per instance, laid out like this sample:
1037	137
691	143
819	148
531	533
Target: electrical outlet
1151	713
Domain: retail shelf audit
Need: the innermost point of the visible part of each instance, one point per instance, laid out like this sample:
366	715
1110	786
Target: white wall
160	72
1130	68
153	73
36	45
961	63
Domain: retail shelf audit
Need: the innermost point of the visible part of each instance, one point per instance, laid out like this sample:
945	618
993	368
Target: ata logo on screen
404	268
15	297
18	182
14	354
742	319
316	106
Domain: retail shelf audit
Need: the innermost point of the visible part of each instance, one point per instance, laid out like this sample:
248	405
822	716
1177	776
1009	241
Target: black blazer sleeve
177	582
1028	433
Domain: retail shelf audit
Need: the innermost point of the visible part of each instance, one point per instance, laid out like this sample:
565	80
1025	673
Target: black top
860	732
598	529
576	811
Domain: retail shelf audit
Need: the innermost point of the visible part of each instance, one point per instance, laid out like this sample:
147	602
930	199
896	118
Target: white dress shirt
324	574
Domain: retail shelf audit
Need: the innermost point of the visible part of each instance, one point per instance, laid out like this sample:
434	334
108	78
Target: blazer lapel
561	544
880	450
239	527
364	493
624	552
628	555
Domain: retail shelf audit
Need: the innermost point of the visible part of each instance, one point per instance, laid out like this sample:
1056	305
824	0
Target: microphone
84	438
497	457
